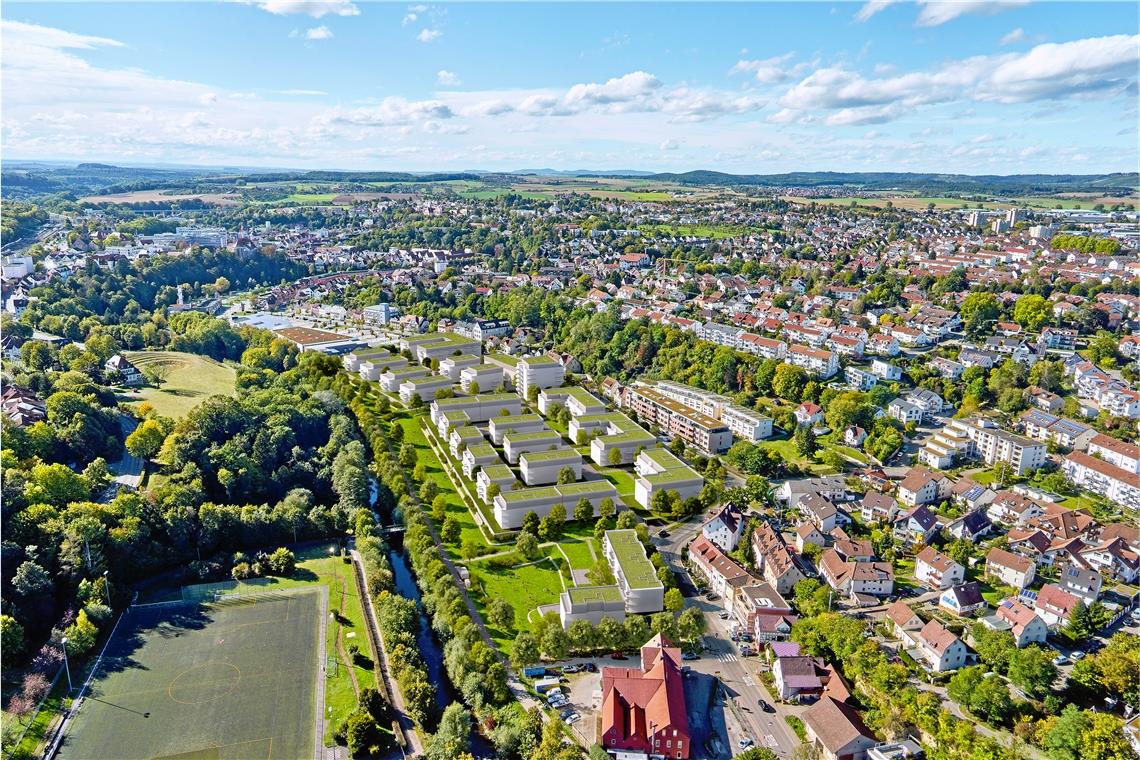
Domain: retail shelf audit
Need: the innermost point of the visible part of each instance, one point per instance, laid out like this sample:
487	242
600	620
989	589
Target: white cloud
624	89
429	35
447	78
1013	36
937	12
413	14
670	145
390	112
871	7
314	8
1082	68
318	33
304	93
769	70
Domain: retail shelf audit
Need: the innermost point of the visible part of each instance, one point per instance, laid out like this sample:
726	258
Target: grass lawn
456	508
786	448
190	379
697	230
525	587
578	552
622	479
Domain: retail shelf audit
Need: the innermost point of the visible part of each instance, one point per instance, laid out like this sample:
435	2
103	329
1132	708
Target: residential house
724	530
963	599
940	649
1082	582
917	526
1010	569
837	731
1025	625
1055	606
923	486
935	570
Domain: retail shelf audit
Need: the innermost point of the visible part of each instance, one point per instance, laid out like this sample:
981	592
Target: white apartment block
538	372
1120	454
635	574
981	439
577	400
885	370
591	603
510	507
746	424
517	444
424	387
485	377
497	474
1101	477
658	470
453	366
741	422
498	427
860	379
379	314
478	455
704	433
814	360
479	408
392	379
614	431
543	467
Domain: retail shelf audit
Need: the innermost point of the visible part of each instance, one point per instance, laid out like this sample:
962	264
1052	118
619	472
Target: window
668	743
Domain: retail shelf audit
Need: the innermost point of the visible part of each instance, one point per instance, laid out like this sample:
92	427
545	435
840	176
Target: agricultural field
165	196
230	679
189	380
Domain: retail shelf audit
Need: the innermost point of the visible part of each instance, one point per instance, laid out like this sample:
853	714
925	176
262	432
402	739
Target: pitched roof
937	636
1010	560
835	724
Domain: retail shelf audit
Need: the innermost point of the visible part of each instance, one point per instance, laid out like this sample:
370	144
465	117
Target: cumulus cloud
938	12
1054	71
318	33
429	35
413	14
1013	36
871	7
769	70
670	145
447	78
314	8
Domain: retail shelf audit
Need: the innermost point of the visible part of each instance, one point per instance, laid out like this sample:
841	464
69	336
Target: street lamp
107	586
66	666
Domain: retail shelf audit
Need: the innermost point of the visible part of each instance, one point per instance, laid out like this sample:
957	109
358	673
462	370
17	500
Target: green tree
789	382
282	562
80	635
500	613
614	457
979	308
525	650
527	545
584	510
452	738
1032	312
555	642
531	522
1032	669
11	636
451	531
805	440
566	475
674	600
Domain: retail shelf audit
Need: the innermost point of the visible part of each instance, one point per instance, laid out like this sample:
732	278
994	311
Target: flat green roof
371	351
514	419
539	435
588	488
663	458
463	402
387	361
466	432
481	450
525	494
635	566
407	371
498	472
588	594
539	362
673	476
461	359
428	380
567	454
504	358
633	436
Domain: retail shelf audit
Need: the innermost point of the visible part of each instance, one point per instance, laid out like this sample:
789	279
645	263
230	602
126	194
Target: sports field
234	679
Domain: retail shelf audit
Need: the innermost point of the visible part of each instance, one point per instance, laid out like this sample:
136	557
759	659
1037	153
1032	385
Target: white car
573	718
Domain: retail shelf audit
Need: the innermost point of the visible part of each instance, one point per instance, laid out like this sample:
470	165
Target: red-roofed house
643	709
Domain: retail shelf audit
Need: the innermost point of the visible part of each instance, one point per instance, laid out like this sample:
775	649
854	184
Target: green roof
541	456
428	380
466	432
672	476
482	450
499	471
387	361
465	402
588	488
504	359
365	353
467	359
538	435
539	362
408	371
515	419
525	494
635	566
588	594
633	436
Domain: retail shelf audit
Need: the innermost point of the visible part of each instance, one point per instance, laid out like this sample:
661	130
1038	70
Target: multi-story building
439	345
577	400
1113	483
817	361
499	427
379	314
613	431
480	377
453	366
1121	454
702	432
517	444
723	575
775	560
1011	569
544	467
497	474
478	455
538	372
981	439
725	528
643	710
635	574
934	569
478	408
743	423
1042	426
746	424
510	507
591	603
940	649
424	388
658	470
394	377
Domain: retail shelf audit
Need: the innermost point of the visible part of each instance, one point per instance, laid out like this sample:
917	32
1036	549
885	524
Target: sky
972	86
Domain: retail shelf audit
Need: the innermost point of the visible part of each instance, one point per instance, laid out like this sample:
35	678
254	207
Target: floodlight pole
67	667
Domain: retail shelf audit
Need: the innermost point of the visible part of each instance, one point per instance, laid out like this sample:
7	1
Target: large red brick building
643	709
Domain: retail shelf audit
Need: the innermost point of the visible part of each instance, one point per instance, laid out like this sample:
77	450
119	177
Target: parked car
690	656
745	743
590	667
617	656
1078	655
571	668
566	713
664	534
573	718
723	616
1060	660
712	597
1095	646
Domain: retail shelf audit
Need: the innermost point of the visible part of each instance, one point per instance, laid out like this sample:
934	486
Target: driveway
128	470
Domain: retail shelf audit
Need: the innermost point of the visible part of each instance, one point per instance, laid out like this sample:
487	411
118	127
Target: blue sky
974	86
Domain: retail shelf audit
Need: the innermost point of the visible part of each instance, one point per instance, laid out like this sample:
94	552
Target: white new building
636	577
658	470
544	467
538	372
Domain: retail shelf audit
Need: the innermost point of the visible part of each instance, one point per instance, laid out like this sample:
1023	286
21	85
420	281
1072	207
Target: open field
190	380
233	679
524	586
1074	201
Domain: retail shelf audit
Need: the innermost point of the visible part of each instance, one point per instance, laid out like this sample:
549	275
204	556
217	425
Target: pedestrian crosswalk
724	656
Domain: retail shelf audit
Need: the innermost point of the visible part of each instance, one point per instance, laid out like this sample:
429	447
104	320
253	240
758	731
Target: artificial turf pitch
228	680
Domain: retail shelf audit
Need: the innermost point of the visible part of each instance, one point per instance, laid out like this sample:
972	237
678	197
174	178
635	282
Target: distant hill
959	183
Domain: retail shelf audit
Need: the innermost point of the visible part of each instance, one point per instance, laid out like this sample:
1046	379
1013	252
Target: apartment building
481	377
499	427
817	361
591	603
393	378
497	474
1042	426
544	467
981	439
439	345
635	574
478	408
723	575
746	424
577	400
423	388
775	560
372	368
517	444
741	422
1011	569
1103	478
510	507
611	431
462	436
452	366
538	372
658	470
940	649
1121	454
478	455
704	433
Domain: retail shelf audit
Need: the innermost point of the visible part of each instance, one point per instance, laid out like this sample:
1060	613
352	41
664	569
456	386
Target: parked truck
534	671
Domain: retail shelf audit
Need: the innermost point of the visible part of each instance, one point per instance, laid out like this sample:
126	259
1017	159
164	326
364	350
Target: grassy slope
192	379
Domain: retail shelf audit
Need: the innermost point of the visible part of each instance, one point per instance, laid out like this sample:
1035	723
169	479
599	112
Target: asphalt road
129	469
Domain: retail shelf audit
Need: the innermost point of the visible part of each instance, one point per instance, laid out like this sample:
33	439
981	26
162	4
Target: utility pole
66	667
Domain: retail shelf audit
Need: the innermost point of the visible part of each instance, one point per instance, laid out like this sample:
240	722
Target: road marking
748	681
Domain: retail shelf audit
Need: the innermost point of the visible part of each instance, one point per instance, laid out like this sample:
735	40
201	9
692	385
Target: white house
724	530
1011	569
936	570
941	650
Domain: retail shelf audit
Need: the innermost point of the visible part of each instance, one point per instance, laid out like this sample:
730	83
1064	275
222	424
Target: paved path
128	470
407	725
